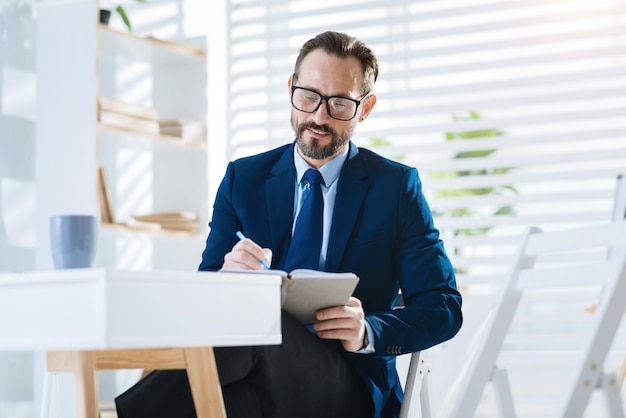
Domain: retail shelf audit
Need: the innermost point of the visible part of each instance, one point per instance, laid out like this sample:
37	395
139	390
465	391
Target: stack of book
172	221
128	116
185	129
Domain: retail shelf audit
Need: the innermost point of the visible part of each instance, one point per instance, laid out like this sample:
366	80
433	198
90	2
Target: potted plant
105	15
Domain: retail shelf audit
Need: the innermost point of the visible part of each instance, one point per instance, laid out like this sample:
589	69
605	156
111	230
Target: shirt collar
330	171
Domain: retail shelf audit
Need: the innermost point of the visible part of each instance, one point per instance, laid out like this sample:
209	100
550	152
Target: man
376	223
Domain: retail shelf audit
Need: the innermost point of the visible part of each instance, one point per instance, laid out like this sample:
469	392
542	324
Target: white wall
17	138
17	184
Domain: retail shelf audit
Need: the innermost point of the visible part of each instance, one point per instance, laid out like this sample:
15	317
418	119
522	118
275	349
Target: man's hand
343	323
247	255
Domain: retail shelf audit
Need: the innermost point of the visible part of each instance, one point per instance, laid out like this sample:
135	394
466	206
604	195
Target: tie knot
314	177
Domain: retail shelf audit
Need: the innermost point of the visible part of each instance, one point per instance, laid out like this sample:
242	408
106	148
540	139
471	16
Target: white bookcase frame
145	173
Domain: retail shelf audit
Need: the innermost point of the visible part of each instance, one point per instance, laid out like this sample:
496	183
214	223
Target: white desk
88	310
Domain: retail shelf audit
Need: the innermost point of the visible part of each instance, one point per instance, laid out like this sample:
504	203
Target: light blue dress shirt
330	172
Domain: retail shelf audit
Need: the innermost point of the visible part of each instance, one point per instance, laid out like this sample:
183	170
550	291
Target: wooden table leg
204	382
82	365
198	361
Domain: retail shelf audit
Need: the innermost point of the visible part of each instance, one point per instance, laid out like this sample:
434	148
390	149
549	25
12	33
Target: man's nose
321	114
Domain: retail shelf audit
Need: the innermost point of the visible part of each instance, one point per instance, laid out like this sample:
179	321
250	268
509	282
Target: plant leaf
120	10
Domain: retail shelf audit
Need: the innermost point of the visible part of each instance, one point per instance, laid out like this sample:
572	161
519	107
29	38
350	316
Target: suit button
394	349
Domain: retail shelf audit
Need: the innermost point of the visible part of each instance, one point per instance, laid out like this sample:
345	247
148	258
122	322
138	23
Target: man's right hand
247	255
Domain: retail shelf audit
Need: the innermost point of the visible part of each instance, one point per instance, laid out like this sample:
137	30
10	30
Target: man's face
318	136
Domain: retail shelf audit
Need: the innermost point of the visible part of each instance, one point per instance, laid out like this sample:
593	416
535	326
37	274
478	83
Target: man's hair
343	46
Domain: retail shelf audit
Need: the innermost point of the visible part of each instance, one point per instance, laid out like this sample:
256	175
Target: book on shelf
173	221
185	129
104	197
142	225
130	123
304	292
109	105
128	116
183	214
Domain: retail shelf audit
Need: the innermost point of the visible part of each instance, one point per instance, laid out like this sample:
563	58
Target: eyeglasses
338	107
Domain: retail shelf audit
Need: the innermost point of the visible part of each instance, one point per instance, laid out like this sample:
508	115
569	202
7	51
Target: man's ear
368	105
289	81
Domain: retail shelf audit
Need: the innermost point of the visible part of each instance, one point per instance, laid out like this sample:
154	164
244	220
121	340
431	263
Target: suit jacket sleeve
420	266
223	225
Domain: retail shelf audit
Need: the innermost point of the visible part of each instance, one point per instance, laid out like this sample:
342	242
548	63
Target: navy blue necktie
306	242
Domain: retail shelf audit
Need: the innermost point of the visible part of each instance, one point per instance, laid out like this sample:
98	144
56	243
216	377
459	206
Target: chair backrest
619	204
416	402
452	360
555	260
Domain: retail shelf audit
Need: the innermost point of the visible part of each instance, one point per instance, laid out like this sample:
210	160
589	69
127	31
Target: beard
313	149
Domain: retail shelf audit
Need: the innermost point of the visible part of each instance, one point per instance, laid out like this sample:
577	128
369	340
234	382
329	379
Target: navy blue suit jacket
382	230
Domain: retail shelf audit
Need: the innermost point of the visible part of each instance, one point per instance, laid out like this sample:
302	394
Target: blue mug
73	240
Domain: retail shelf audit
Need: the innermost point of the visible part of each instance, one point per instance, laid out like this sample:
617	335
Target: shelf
165	139
162	232
148	49
147	171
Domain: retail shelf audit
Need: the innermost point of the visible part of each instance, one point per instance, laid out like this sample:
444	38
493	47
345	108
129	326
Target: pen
241	237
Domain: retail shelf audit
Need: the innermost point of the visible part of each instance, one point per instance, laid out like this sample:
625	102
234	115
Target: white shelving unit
153	173
145	173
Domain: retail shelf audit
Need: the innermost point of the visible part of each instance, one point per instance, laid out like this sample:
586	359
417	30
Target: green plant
480	191
122	12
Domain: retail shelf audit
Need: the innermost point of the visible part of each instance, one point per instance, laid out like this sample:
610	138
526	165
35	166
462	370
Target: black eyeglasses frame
326	99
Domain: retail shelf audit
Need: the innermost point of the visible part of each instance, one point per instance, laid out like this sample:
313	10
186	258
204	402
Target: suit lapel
279	188
351	192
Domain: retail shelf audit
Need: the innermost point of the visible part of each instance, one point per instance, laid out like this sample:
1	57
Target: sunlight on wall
18	209
19	90
17	115
133	83
162	21
126	80
135	184
125	250
135	254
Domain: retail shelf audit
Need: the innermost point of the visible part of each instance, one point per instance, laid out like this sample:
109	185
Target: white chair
450	359
619	204
608	272
607	383
416	402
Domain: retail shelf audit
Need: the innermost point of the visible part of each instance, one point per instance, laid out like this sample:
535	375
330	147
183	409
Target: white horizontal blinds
539	87
514	112
265	37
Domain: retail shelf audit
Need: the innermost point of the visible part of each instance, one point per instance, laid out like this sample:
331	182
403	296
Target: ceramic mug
73	240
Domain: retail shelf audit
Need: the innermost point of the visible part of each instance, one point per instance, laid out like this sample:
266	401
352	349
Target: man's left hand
343	323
